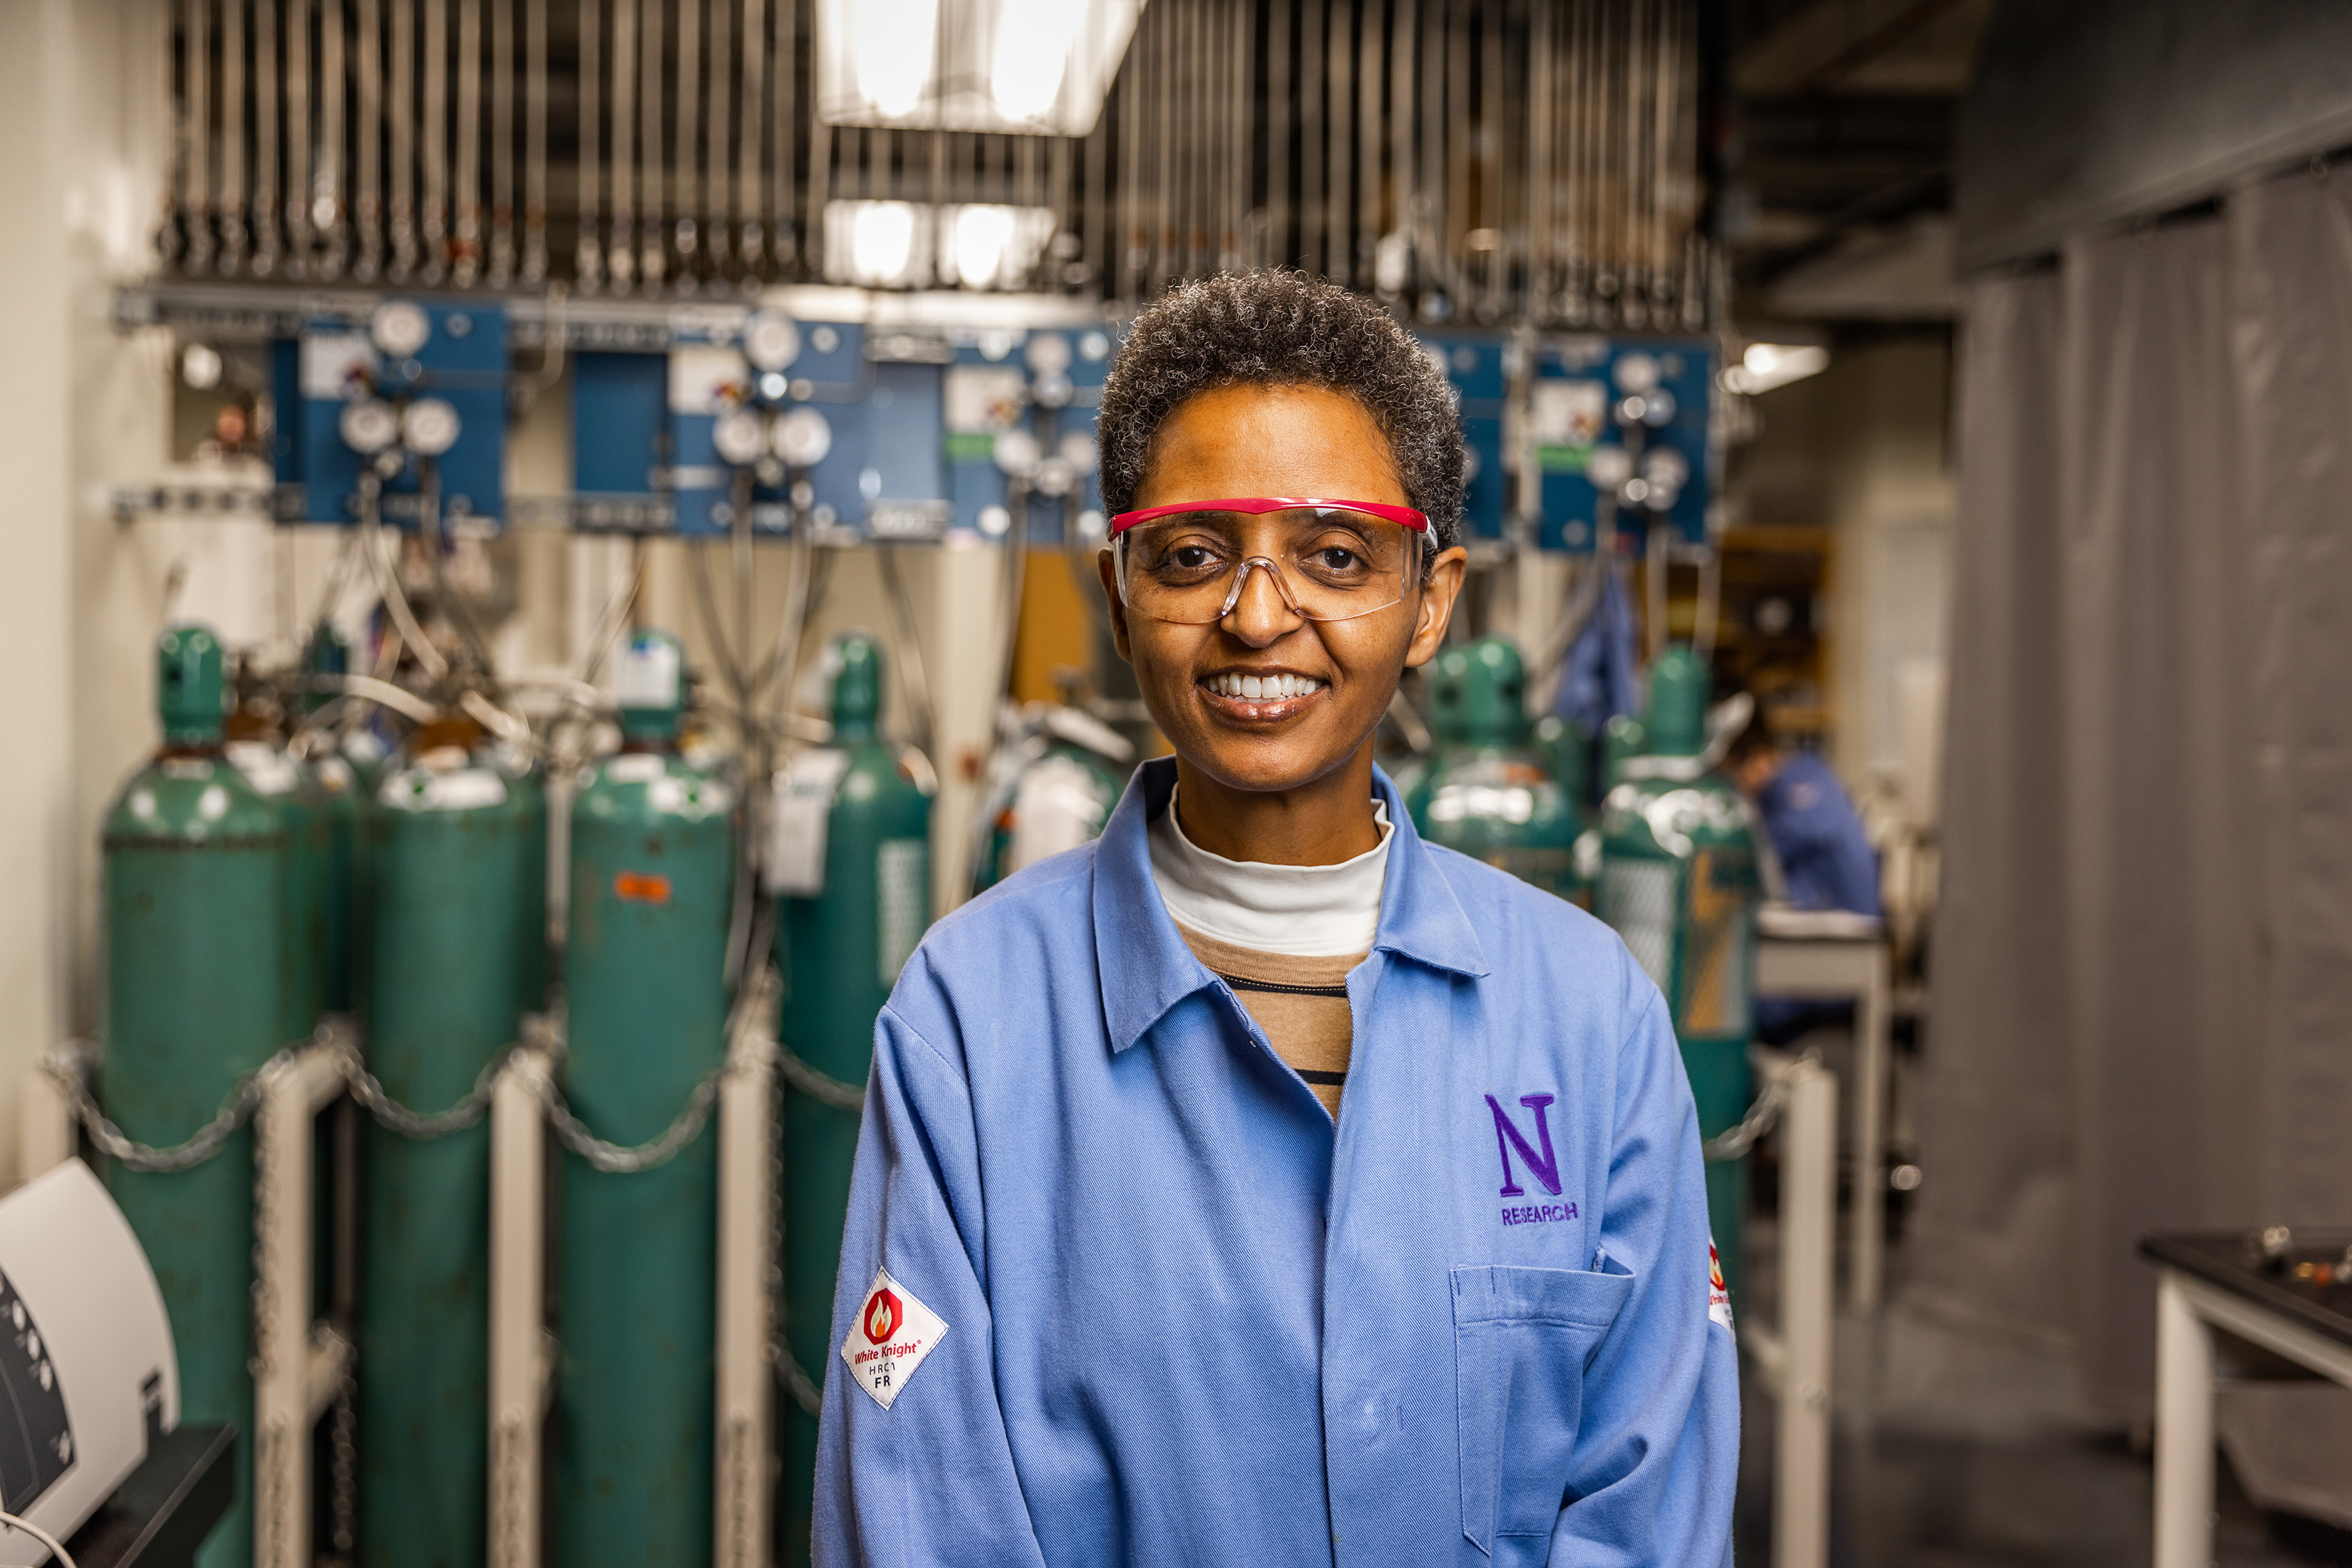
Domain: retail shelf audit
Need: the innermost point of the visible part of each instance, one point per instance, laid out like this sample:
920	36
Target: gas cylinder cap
651	686
857	686
1677	716
188	686
1494	693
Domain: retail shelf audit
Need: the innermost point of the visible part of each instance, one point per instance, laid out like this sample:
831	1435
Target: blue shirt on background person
1825	856
1161	1307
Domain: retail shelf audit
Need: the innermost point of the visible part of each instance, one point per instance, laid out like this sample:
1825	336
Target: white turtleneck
1313	911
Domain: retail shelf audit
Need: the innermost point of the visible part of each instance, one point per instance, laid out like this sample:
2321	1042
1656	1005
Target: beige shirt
1300	1002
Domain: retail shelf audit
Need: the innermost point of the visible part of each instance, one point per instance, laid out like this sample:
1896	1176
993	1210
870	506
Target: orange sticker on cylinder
641	888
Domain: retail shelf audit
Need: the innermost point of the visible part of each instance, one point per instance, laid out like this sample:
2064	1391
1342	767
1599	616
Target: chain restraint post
521	1356
746	1368
300	1364
1794	1354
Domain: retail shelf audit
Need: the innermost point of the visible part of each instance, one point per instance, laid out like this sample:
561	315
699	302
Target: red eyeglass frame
1402	516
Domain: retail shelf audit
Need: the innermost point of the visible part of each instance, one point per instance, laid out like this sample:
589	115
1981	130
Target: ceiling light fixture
1024	66
1766	365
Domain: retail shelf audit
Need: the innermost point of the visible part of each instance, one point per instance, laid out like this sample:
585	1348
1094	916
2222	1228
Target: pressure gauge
1053	391
1016	452
399	327
1055	477
1077	449
802	438
1665	468
1608	468
771	342
429	426
368	427
1049	354
1636	373
741	437
200	366
1096	347
1658	409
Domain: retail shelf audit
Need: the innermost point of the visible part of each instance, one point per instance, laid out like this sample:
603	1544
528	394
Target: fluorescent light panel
1023	67
907	244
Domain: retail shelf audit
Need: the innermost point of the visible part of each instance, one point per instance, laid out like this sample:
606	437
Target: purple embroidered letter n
1544	1168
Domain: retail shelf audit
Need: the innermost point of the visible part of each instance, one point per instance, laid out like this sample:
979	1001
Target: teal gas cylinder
1054	788
841	937
1491	796
527	792
340	786
653	867
1678	881
303	807
195	888
1449	729
450	857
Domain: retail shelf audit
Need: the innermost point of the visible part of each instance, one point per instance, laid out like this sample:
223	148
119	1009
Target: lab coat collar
1144	965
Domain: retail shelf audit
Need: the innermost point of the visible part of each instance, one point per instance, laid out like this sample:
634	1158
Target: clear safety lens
1328	564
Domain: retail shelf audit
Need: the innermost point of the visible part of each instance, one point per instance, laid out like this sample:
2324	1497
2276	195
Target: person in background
1826	860
1825	856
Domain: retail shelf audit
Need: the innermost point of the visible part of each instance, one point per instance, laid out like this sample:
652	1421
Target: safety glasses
1329	560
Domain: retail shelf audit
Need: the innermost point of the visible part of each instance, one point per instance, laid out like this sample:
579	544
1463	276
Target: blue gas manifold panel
411	386
1475	366
1617	429
1020	414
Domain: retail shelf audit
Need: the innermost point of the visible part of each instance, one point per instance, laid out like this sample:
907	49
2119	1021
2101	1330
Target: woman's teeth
1262	687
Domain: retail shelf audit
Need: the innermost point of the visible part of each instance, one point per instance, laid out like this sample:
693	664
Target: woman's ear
1106	563
1441	585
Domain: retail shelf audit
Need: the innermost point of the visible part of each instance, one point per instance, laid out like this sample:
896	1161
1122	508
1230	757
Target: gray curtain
2143	956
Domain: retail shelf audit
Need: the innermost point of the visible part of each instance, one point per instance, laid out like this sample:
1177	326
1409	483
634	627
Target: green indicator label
971	446
1563	459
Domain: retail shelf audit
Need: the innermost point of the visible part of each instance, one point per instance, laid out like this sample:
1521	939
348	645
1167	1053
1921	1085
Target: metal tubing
400	116
534	175
466	250
328	211
433	223
621	241
653	263
587	199
367	195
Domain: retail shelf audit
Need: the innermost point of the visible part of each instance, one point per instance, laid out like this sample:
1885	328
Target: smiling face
1266	700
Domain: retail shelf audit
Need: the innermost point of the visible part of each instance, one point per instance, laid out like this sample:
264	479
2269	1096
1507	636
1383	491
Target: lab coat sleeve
931	1479
1657	1449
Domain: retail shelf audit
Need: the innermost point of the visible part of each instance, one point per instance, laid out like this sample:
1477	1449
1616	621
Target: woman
1260	1184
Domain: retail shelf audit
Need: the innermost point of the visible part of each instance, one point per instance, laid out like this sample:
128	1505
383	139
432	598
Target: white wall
80	405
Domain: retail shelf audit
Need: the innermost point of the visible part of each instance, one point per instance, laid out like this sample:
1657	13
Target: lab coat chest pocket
1522	1341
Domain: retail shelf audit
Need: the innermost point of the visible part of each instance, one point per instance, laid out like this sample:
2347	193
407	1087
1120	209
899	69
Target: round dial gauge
429	426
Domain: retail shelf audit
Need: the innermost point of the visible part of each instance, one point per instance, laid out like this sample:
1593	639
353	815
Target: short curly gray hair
1282	329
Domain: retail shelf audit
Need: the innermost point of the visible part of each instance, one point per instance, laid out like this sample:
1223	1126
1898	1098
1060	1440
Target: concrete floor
1952	1452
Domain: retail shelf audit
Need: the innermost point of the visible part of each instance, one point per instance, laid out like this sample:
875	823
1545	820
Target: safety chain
270	1441
369	1093
69	1067
1734	1142
805	1390
817	1086
616	1159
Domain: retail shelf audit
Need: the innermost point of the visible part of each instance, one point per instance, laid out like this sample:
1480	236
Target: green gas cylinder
339	787
1490	796
196	879
653	865
851	861
1678	881
303	807
1624	737
450	856
1449	729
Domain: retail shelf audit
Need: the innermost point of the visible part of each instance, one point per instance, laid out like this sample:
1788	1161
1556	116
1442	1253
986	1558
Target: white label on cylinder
1058	805
796	822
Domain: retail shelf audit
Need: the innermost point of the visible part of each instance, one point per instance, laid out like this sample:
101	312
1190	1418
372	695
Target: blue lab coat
1165	1311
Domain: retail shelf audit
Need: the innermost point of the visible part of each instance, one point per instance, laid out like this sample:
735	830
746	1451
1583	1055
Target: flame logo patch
884	1313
